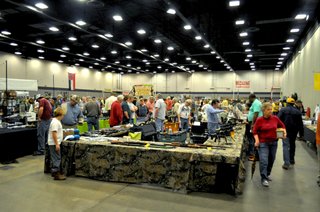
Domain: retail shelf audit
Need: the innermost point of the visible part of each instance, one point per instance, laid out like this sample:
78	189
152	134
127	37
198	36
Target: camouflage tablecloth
180	168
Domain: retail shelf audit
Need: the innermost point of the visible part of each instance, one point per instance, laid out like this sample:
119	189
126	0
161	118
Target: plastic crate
180	136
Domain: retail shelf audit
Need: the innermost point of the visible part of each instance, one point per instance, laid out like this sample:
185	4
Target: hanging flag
72	81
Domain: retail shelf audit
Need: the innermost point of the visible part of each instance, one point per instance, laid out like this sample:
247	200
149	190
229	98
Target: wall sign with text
242	84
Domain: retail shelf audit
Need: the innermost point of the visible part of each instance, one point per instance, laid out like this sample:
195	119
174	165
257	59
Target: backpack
143	110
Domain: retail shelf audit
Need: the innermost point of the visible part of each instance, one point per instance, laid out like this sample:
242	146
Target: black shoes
37	153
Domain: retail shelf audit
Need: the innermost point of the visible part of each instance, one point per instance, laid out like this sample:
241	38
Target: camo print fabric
180	168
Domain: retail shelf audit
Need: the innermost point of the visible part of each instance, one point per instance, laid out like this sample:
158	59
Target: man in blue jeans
92	111
184	115
212	114
159	113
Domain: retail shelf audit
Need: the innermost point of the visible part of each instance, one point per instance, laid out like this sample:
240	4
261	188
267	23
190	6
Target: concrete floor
24	187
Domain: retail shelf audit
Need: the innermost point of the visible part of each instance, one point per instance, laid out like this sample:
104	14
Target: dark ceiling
267	23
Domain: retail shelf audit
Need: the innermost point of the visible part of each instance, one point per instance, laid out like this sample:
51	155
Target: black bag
148	131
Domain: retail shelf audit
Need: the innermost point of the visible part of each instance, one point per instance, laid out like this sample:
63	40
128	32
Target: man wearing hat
73	113
292	118
44	119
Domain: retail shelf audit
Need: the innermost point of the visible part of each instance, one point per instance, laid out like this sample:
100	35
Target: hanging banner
143	90
72	81
316	81
242	84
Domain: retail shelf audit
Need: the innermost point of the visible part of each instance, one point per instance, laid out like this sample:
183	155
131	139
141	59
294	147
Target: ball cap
290	100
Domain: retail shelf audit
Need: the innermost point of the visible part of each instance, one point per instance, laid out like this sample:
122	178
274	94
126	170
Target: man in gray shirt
92	111
73	113
159	113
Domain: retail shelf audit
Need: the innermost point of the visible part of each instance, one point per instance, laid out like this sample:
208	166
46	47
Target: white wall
202	82
298	77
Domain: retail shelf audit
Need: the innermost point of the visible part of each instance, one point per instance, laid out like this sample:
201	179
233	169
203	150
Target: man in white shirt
159	113
184	115
109	102
54	140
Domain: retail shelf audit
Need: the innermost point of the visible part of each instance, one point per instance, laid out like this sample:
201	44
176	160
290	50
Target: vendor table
178	168
310	135
15	143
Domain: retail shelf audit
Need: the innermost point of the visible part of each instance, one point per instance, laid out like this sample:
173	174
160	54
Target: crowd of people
264	118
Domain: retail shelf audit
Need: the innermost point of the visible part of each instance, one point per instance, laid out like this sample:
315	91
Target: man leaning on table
73	113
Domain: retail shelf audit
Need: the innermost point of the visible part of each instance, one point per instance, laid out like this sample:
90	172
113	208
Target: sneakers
37	153
265	183
285	166
292	162
269	178
58	176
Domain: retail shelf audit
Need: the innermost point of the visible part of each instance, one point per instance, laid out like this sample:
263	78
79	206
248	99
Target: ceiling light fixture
156	55
187	27
72	38
240	22
143	50
212	52
128	43
128	57
247	50
13	44
144	61
117	18
95	46
194	61
129	65
198	37
77	64
103	58
170	48
40	42
141	31
18	53
5	32
65	48
188	58
301	16
249	55
277	69
246	43
81	23
294	30
234	3
63	55
218	57
41	5
166	59
114	52
60	61
171	11
279	63
40	57
81	60
157	41
281	58
54	29
40	50
206	46
286	48
243	34
284	54
247	60
86	54
117	62
290	40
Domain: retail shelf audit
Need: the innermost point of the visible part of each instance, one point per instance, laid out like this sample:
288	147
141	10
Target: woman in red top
265	135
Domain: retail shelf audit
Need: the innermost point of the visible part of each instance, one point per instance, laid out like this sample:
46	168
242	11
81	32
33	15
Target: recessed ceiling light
279	62
156	55
286	48
157	41
72	38
129	71
114	52
243	34
166	59
129	65
159	67
294	30
96	64
90	66
187	27
144	61
147	63
143	50
188	58
249	55
246	43
301	16
40	42
128	43
108	66
86	54
60	61
141	31
252	67
225	64
290	40
173	72
170	48
18	53
6	32
117	18
171	11
281	58
154	72
218	57
234	3
81	23
194	61
278	66
65	48
174	63
41	5
228	67
54	29
212	52
206	46
251	64
284	54
200	66
221	61
108	35
77	64
198	37
95	46
277	69
13	44
81	60
103	58
40	50
121	73
247	60
247	50
63	55
240	22
147	70
117	62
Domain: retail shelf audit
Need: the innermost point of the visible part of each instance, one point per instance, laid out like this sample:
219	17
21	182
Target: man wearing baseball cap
73	113
292	118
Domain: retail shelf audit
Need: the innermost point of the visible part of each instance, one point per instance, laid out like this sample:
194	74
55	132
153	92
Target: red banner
242	84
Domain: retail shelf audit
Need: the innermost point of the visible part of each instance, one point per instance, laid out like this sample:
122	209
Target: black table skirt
310	136
15	143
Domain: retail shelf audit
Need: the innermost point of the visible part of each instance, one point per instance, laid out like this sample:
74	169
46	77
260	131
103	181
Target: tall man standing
212	114
159	113
116	112
184	115
44	119
292	119
73	113
92	111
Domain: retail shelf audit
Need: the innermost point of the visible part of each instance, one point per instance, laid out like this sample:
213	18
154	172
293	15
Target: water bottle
170	130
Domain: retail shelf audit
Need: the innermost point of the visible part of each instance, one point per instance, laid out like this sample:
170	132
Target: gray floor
24	187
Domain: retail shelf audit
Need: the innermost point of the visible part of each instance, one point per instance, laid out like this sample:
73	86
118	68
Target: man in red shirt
169	103
265	135
116	113
44	119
